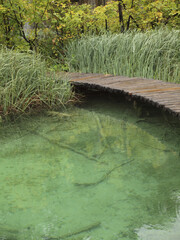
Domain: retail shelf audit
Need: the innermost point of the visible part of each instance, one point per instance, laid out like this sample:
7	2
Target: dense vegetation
26	84
153	54
81	35
46	25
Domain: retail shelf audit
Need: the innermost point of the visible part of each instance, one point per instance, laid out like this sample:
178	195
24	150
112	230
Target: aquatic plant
152	54
26	84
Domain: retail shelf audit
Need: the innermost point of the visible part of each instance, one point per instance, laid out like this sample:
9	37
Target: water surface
102	172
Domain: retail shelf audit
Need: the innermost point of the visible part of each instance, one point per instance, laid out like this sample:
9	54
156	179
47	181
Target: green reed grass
152	54
26	84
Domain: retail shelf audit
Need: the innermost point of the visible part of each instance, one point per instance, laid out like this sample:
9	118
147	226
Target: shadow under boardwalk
159	93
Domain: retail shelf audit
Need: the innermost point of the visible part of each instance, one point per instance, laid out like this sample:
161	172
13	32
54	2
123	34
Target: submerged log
65	146
58	115
104	177
71	234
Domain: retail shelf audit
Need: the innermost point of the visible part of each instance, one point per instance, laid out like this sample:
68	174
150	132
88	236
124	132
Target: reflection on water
161	232
101	173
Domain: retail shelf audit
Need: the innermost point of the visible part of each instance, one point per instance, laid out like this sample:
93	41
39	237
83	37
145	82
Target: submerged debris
104	177
7	233
84	229
58	115
87	238
156	148
65	146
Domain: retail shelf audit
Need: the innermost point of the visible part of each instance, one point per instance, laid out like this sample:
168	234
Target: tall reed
26	84
152	54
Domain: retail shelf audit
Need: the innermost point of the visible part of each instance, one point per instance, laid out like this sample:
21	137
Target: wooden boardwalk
158	93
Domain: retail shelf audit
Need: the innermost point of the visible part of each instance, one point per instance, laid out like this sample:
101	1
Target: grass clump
152	54
26	84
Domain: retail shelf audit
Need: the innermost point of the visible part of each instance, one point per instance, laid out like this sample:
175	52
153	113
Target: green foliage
26	84
147	14
46	26
153	54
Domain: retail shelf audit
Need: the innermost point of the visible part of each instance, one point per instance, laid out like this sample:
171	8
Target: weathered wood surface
159	93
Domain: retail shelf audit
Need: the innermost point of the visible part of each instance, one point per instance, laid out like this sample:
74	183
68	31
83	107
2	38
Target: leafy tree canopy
46	25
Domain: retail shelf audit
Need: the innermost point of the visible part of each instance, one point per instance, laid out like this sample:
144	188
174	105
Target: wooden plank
160	89
100	80
170	93
73	76
87	77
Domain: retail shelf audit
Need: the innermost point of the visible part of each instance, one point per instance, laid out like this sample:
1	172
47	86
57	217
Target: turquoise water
104	171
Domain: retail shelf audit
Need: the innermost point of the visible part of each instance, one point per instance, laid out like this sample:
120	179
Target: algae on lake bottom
47	163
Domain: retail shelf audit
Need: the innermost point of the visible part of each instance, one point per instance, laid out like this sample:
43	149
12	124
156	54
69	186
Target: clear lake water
105	170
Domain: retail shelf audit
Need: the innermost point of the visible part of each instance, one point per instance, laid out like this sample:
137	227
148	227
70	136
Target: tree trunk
121	20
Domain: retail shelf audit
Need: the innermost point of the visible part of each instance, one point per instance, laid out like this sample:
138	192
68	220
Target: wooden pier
158	93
